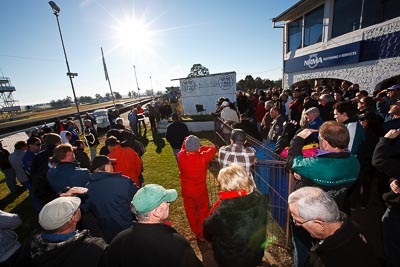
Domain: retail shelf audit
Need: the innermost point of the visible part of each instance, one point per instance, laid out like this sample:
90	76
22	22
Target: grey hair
327	98
269	104
315	203
141	217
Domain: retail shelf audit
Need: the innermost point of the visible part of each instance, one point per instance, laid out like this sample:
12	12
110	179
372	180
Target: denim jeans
93	152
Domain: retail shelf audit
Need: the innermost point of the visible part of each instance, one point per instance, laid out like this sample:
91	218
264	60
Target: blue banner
346	54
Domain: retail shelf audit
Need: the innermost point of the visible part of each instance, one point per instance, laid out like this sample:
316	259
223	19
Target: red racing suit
193	171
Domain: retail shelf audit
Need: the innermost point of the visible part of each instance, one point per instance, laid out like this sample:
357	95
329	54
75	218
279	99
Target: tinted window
294	35
346	16
313	26
377	11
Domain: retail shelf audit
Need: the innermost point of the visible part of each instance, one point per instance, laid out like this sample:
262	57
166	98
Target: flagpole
137	84
107	77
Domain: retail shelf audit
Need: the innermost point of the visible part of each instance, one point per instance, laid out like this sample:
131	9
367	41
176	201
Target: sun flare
134	35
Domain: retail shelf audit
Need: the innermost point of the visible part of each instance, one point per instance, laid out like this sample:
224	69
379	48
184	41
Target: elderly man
340	243
229	117
276	128
60	243
151	242
67	173
314	120
127	162
237	152
109	196
333	169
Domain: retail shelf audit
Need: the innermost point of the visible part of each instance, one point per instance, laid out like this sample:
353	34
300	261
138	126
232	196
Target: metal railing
271	180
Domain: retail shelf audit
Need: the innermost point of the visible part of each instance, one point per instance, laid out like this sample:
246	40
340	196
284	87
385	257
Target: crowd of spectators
97	210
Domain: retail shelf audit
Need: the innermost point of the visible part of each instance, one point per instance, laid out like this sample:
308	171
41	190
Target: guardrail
27	126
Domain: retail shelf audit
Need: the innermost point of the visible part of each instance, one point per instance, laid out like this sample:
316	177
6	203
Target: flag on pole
104	64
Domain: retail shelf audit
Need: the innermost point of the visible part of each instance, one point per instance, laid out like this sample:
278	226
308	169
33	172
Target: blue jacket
109	197
315	124
67	174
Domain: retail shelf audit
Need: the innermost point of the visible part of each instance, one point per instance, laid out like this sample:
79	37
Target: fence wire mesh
271	180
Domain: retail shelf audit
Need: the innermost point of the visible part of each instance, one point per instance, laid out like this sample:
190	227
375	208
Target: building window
313	25
294	33
346	16
377	11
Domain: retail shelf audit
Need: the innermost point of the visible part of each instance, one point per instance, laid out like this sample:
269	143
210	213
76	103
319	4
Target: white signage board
206	90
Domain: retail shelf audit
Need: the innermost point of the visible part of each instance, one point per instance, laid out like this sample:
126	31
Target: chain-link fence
271	180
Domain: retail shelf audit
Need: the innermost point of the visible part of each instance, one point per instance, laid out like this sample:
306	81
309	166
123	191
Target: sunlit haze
163	39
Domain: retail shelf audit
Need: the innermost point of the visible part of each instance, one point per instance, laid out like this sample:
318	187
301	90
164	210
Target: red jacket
260	111
128	162
193	169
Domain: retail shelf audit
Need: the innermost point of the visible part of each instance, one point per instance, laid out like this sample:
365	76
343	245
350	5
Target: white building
205	91
353	40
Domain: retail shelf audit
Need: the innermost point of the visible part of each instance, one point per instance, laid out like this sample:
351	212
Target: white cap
58	212
225	104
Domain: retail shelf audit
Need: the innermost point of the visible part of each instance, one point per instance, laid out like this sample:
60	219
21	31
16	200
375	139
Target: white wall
206	90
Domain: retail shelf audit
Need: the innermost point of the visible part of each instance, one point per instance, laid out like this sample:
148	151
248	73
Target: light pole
71	75
151	86
137	84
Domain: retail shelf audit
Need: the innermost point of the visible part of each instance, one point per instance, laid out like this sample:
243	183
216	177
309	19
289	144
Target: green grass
160	167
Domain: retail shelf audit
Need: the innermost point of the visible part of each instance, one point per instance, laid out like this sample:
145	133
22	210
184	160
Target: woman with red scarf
237	223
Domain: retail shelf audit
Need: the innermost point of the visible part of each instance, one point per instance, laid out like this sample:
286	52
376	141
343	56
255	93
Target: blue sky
162	38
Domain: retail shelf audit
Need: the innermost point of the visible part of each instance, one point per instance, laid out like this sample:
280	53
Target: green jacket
331	171
328	169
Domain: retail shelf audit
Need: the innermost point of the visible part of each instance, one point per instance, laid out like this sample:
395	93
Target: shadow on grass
158	141
143	138
29	219
10	198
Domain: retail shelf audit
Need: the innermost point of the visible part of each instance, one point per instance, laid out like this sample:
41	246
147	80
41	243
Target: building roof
297	10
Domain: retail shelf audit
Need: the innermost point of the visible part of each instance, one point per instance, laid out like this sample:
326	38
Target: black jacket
347	247
79	250
38	177
237	229
386	159
176	133
150	245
